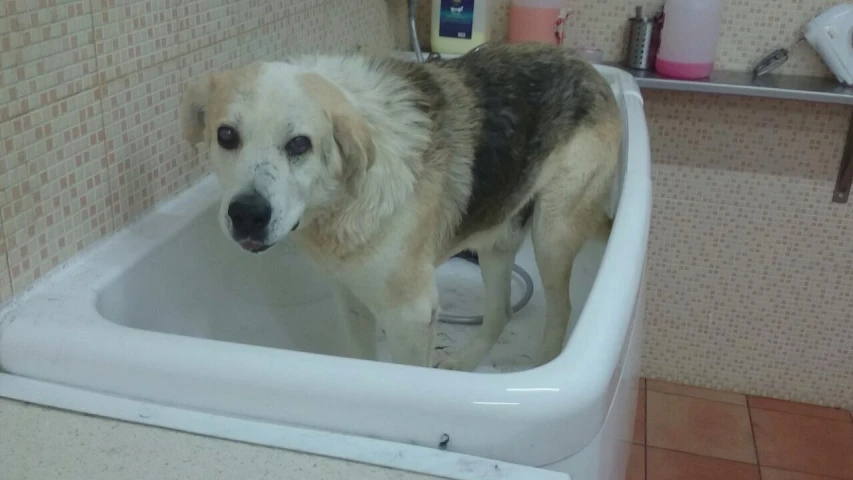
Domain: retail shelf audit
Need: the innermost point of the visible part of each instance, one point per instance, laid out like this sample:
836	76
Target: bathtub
169	313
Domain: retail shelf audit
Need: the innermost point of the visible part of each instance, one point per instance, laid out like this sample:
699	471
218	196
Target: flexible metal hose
478	319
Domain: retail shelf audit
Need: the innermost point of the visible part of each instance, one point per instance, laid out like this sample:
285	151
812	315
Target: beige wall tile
54	188
131	35
46	54
142	134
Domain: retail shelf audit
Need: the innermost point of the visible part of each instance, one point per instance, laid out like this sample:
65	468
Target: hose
478	319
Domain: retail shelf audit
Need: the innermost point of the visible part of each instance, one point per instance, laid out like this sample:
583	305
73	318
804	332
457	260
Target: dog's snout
250	214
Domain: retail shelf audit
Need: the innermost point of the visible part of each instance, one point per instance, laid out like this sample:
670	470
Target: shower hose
478	319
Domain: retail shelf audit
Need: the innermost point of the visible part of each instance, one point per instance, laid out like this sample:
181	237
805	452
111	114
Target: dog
381	169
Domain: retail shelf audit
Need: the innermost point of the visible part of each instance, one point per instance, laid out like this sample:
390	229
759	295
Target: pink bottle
688	43
537	21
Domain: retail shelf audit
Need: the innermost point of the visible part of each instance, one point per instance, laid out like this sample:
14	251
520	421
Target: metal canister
643	41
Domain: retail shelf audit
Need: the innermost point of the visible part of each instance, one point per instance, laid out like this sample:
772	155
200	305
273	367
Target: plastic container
689	37
536	21
459	25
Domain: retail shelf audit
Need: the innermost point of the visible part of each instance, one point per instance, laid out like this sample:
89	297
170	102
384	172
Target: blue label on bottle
456	18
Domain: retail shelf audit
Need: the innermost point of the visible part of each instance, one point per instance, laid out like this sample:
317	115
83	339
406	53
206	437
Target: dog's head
284	142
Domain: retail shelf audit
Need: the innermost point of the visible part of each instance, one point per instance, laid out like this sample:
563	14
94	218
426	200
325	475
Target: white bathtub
169	312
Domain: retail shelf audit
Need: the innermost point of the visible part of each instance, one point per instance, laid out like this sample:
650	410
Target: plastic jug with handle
688	43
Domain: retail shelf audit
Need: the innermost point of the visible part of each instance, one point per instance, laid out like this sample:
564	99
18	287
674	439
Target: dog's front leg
357	325
410	327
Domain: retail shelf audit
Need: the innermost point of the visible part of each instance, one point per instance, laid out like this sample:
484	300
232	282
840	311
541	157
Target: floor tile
775	474
640	418
804	444
765	403
637	463
696	392
699	426
670	465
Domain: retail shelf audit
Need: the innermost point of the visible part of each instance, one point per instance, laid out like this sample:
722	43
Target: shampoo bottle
458	25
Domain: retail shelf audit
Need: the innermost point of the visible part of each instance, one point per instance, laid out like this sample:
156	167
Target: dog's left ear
352	134
351	130
193	109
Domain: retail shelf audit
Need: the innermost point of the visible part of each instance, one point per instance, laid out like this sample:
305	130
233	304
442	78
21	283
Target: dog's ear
352	134
351	130
194	107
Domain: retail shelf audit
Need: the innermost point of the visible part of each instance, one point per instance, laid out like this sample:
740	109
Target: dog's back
502	111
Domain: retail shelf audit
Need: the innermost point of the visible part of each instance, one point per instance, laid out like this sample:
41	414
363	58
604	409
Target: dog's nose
250	214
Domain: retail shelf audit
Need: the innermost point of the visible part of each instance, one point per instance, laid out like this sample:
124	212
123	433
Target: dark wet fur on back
518	103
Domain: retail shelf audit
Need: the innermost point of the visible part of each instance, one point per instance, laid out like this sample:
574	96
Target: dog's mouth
253	246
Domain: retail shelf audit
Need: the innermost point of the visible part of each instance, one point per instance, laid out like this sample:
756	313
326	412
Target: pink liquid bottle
537	21
688	43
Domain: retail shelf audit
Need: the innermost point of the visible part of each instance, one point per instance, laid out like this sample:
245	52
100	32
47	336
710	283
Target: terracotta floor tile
765	403
696	392
775	474
699	426
640	418
670	465
804	444
637	463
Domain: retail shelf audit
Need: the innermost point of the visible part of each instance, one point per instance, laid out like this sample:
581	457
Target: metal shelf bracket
845	169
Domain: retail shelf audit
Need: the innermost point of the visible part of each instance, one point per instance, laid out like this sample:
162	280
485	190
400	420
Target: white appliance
831	34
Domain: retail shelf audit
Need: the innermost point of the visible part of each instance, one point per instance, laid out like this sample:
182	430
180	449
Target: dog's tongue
251	245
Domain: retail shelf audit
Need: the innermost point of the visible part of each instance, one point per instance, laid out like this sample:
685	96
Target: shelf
786	87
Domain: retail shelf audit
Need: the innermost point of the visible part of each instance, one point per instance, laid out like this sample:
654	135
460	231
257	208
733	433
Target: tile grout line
743	463
6	256
645	429
757	408
804	414
754	441
704	398
722	459
101	91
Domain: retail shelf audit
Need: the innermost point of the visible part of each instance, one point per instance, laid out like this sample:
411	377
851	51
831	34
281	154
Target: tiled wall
751	265
89	91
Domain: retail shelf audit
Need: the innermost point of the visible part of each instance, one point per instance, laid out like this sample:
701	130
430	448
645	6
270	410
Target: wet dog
382	169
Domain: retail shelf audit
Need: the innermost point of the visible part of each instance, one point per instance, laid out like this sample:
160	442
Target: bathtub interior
199	284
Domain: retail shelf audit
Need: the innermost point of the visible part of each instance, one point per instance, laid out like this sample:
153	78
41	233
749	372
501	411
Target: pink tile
775	474
798	408
636	463
699	426
805	444
670	465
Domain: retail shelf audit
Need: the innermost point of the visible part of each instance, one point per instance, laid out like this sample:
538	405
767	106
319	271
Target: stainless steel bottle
643	39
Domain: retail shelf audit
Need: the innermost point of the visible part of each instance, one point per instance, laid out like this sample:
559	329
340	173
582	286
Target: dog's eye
298	145
227	137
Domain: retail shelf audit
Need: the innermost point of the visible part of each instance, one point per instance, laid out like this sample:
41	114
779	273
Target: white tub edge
398	456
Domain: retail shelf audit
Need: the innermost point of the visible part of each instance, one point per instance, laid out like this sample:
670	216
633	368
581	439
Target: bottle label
456	19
